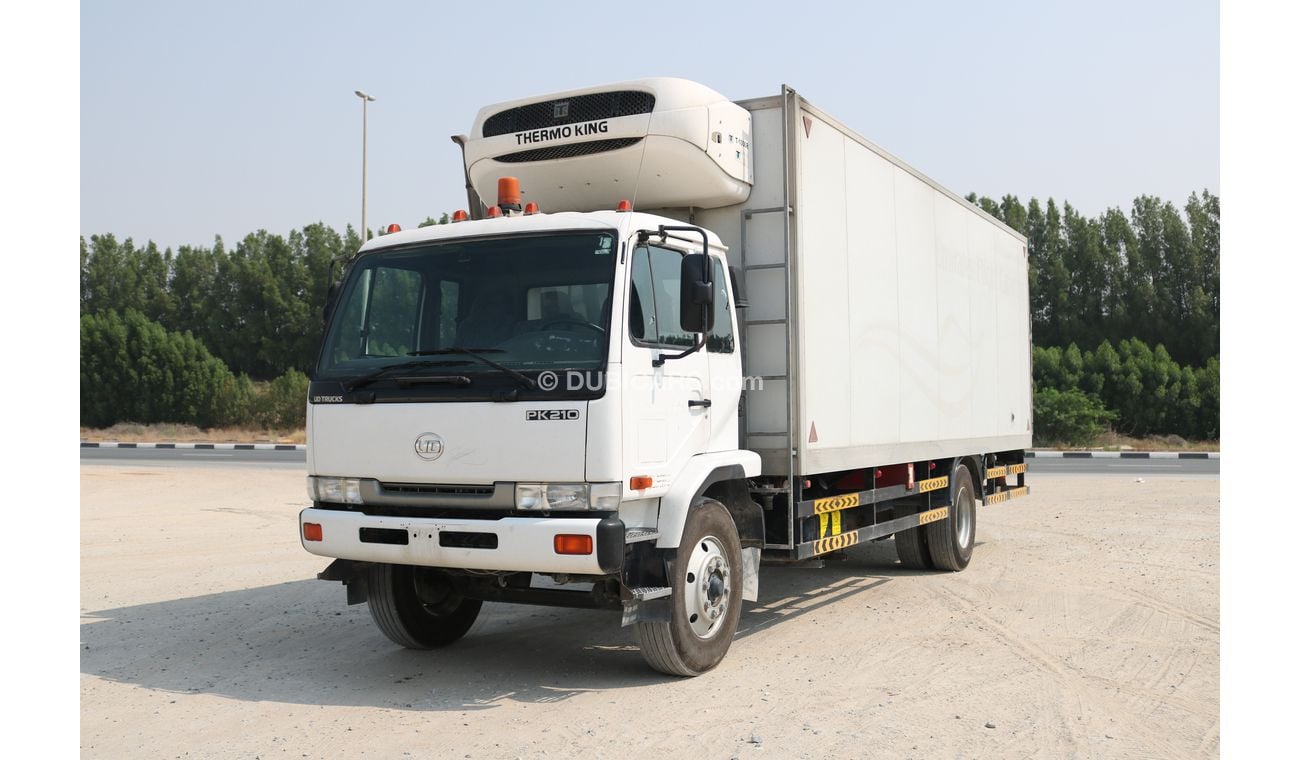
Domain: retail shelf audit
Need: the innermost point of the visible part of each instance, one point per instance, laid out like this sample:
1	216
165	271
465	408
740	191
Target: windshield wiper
383	372
477	354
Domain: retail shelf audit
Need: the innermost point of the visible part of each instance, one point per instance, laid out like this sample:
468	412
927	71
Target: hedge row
1136	389
134	370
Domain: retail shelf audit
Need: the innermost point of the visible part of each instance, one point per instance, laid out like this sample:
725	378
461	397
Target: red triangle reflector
807	127
812	434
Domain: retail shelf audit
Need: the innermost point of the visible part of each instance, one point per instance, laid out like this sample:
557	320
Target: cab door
666	407
725	373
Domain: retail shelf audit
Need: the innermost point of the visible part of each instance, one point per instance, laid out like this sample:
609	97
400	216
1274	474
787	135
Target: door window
721	338
654	313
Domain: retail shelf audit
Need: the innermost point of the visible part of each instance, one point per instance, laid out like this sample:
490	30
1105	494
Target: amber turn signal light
569	543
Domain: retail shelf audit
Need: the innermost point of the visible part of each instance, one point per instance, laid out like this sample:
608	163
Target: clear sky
223	118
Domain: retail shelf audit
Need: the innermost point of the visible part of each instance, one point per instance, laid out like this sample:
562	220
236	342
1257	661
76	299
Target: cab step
634	535
646	593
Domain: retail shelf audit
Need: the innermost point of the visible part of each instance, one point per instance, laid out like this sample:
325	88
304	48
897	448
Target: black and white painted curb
223	446
303	447
1122	454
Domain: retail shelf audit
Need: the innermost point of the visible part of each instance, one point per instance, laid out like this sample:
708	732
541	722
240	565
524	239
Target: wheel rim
965	524
708	587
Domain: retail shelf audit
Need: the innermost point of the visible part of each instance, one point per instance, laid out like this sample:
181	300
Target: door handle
700	402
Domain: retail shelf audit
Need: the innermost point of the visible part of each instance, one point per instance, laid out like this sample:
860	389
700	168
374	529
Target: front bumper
523	544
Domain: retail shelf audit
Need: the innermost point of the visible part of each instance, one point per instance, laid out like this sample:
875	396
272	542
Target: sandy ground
1087	625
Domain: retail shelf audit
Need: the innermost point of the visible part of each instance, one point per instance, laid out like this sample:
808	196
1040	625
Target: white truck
796	343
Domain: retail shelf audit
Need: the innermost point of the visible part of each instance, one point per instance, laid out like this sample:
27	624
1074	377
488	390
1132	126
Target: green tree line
134	369
1150	274
257	307
1132	387
1122	283
1139	288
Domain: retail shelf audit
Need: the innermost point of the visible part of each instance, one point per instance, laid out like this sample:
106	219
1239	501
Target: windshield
523	304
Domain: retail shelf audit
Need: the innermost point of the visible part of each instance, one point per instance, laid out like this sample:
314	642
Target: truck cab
505	408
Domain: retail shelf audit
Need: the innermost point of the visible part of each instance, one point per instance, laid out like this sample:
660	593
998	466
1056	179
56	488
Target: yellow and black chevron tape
933	484
836	503
1000	496
835	543
1005	470
933	515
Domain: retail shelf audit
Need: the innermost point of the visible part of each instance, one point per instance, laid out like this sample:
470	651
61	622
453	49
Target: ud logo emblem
428	446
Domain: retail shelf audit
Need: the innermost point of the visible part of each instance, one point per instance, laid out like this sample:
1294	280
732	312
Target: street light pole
365	101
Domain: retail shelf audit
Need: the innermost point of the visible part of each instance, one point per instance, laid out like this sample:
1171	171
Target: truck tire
913	549
705	602
952	541
416	609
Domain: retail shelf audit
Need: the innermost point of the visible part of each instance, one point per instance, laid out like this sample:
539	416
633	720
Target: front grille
568	151
429	489
575	110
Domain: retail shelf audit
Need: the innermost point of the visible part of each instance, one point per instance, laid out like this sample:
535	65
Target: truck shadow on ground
298	643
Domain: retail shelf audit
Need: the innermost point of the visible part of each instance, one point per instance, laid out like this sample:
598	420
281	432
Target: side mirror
737	292
696	293
331	297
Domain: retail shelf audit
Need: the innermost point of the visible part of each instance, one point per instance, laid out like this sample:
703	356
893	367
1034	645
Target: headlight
334	490
562	497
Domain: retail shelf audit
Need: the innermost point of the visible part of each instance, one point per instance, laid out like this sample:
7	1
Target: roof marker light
624	205
508	193
394	228
493	212
530	208
459	216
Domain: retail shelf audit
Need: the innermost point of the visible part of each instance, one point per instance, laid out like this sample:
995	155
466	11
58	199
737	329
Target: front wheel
706	583
417	608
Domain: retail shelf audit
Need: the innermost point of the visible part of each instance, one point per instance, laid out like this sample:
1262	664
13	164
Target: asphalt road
1136	467
196	457
296	459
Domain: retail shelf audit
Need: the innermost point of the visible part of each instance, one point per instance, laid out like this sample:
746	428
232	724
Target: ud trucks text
673	336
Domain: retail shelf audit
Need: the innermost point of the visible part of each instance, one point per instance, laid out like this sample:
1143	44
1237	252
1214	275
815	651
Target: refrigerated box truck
672	337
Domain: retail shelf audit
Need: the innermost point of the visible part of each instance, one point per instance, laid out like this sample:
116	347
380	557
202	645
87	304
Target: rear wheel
952	541
913	549
418	608
705	602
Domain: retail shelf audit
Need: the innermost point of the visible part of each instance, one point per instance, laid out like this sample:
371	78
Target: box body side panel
912	313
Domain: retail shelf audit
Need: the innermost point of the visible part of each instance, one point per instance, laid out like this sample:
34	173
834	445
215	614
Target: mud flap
649	611
750	558
349	573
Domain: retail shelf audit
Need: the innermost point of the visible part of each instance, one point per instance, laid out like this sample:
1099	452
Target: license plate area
395	536
458	539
